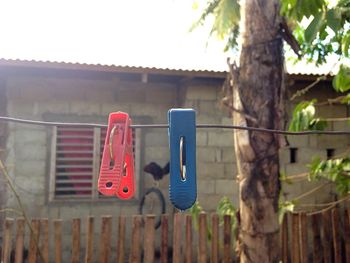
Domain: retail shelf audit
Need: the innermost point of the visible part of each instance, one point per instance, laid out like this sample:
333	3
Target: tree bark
258	90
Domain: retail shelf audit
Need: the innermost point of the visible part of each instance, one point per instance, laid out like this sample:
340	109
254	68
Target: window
330	153
75	162
293	155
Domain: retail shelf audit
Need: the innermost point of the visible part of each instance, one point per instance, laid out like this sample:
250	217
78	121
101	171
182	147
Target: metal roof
300	68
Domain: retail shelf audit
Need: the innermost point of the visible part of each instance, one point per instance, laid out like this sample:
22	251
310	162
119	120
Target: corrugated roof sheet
110	68
300	68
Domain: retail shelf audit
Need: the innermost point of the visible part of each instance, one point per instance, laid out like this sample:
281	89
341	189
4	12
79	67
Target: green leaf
195	210
341	82
333	17
284	207
304	118
225	207
345	44
226	16
334	170
314	27
284	178
346	99
208	11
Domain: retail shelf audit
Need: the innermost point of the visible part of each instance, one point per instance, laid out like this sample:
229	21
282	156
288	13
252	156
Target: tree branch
287	35
20	204
307	88
330	101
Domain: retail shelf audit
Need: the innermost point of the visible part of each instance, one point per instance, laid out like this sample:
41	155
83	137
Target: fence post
135	255
19	240
76	240
303	238
121	239
6	250
177	238
164	239
105	239
295	239
149	238
58	240
227	239
337	238
188	244
327	236
214	238
202	238
44	232
347	234
34	241
89	239
317	247
284	238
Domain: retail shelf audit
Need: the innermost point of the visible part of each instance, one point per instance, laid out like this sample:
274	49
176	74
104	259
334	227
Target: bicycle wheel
153	202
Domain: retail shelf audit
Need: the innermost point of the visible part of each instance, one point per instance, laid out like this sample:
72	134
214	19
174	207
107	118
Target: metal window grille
75	162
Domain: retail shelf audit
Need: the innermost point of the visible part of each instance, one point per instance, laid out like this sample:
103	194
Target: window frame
94	197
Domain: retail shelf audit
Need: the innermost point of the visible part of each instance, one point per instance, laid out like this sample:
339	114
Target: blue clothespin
182	142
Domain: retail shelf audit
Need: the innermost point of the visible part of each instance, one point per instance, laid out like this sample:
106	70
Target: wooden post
105	239
214	258
135	255
58	240
164	239
317	247
44	232
34	241
89	240
337	240
188	244
327	236
19	240
121	239
76	240
303	238
177	238
284	238
202	238
227	239
149	238
347	234
6	250
295	238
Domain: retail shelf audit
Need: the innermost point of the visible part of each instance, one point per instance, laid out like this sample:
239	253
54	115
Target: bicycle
153	201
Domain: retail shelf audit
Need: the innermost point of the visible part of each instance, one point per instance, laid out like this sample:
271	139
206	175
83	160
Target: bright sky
152	33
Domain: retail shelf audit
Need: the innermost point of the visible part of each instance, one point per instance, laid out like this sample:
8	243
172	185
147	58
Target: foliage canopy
321	30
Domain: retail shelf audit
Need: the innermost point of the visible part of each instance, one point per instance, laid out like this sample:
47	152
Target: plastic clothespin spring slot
117	165
182	143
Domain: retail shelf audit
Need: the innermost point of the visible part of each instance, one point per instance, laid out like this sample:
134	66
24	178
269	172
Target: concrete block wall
216	167
3	139
79	99
309	147
90	99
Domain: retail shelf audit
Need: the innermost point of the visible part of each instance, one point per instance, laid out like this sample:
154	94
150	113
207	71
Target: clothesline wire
151	126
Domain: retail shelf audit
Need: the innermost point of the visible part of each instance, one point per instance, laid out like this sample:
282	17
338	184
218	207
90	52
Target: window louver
75	162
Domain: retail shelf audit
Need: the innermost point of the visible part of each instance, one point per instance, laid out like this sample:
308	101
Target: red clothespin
117	165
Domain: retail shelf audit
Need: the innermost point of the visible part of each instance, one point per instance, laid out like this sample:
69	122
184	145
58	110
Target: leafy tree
314	30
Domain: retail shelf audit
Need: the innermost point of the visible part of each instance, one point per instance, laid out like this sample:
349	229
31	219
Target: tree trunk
258	93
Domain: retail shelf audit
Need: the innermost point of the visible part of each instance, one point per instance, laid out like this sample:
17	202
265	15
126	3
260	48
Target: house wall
77	98
90	97
3	138
309	147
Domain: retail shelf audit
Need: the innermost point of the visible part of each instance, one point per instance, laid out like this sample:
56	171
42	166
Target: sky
152	33
143	33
